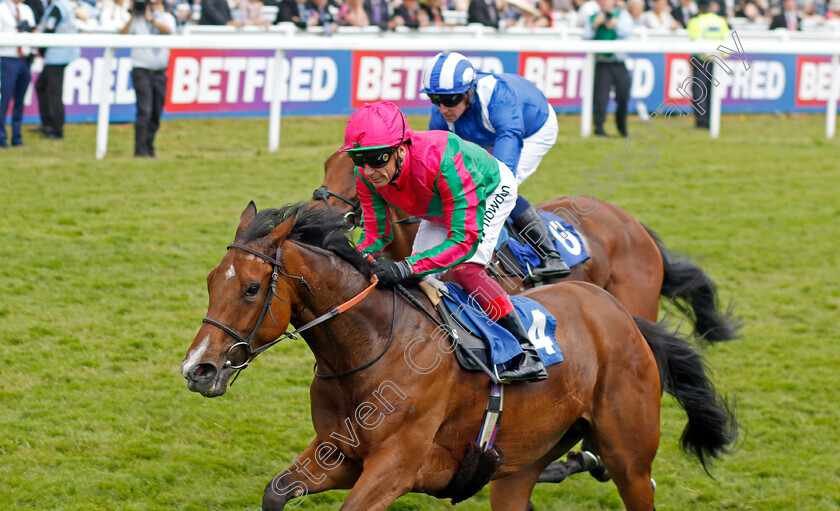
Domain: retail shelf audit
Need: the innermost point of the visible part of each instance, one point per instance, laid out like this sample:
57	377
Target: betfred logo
764	80
558	76
677	70
397	76
216	80
813	81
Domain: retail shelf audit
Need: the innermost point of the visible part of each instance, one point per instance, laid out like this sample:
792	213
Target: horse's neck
354	337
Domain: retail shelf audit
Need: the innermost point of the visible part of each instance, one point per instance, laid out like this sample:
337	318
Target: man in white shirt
15	16
149	72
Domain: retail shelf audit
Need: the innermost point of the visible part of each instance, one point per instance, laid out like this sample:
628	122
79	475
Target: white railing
509	43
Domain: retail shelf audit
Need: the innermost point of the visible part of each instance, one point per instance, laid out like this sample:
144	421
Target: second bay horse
626	258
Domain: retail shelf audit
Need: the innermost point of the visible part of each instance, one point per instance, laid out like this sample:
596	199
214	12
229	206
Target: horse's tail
712	427
694	293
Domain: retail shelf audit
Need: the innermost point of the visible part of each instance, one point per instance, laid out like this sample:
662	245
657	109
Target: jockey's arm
505	114
460	208
376	228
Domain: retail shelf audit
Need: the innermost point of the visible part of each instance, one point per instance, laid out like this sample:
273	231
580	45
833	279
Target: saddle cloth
490	343
514	251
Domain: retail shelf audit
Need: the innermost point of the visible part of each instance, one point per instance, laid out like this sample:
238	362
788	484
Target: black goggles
447	100
375	159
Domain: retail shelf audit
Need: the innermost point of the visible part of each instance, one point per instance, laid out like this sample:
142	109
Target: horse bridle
246	343
276	270
323	194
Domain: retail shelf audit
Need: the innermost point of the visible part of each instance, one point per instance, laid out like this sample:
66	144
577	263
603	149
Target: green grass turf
102	265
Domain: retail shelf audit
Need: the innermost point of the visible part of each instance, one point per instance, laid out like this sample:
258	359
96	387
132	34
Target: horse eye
252	290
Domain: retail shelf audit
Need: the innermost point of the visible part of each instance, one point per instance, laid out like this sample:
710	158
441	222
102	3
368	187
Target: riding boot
531	226
525	367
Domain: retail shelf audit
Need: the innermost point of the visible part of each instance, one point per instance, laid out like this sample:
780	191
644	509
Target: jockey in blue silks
512	119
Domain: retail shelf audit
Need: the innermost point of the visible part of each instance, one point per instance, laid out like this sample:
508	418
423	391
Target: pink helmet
376	126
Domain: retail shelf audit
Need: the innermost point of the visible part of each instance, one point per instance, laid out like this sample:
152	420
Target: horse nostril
202	372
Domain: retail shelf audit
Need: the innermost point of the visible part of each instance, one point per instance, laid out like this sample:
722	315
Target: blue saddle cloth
567	241
503	345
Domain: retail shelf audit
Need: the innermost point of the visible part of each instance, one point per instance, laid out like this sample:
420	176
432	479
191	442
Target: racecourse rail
829	46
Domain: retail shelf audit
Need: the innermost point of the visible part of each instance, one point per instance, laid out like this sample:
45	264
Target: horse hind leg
626	437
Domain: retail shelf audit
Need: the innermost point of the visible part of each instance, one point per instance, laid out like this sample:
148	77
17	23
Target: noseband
323	194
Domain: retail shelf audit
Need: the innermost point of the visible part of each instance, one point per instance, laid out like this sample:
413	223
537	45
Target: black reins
365	366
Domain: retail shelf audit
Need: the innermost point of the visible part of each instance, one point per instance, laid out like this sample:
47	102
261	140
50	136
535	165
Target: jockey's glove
391	273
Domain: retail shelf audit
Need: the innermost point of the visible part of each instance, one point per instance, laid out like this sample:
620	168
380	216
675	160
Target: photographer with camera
15	17
59	18
148	72
609	24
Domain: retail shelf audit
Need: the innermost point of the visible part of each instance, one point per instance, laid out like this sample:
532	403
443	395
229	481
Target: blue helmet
448	73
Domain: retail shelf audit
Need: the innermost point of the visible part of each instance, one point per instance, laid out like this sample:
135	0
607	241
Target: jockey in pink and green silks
462	195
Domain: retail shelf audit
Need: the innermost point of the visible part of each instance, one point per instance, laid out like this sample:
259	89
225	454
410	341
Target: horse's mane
317	227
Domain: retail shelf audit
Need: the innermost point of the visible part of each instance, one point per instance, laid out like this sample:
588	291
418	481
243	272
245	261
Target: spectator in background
684	12
712	28
87	15
381	14
353	14
809	13
788	19
149	72
114	14
15	17
251	11
751	11
586	10
832	12
182	10
719	7
484	12
435	9
610	24
413	14
544	17
59	18
216	12
636	8
660	16
38	7
291	11
322	13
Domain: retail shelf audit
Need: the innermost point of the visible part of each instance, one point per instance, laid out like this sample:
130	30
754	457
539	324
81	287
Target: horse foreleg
513	492
316	469
388	475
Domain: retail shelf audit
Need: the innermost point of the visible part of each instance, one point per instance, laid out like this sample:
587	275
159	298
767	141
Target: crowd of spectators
388	14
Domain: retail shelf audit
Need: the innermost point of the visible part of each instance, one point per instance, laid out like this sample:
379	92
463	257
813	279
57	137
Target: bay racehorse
626	258
394	413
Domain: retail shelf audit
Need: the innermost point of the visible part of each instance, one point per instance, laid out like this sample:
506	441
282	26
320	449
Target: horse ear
279	233
245	221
